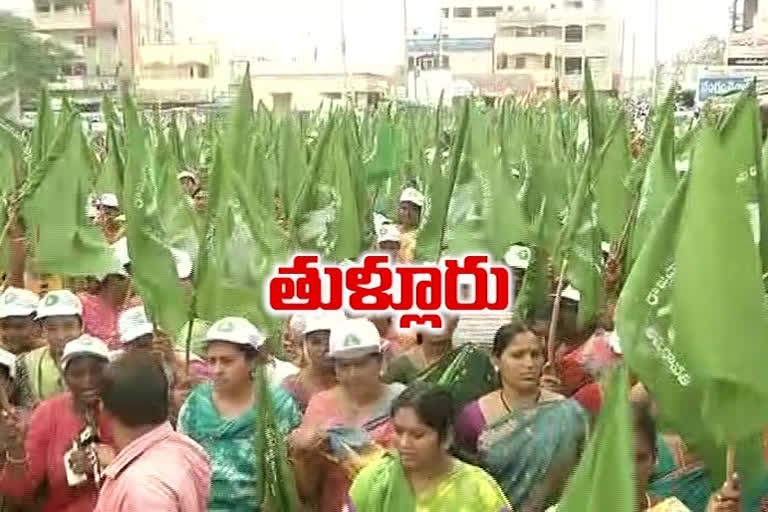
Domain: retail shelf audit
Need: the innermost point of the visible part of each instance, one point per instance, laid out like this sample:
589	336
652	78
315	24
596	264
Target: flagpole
344	50
555	317
655	51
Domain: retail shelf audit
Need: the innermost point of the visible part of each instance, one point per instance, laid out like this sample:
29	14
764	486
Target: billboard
710	86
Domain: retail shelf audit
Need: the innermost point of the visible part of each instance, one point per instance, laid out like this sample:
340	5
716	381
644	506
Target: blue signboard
717	85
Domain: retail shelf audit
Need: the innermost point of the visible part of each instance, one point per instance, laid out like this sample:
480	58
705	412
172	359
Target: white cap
85	345
613	342
133	323
120	249
379	220
183	263
411	195
186	174
571	293
353	338
297	323
388	233
59	303
605	246
18	302
322	320
9	361
235	330
518	256
109	200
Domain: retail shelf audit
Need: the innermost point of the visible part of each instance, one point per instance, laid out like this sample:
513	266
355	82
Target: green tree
27	61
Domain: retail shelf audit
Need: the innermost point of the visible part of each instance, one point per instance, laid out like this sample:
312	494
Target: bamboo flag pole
730	462
555	316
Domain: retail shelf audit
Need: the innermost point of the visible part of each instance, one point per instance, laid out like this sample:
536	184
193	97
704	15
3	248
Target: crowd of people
103	411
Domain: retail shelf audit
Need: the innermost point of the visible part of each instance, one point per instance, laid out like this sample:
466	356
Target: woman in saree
466	371
347	425
223	415
317	371
526	437
423	476
727	499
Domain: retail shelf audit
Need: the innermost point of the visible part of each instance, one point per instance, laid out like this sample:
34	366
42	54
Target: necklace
506	405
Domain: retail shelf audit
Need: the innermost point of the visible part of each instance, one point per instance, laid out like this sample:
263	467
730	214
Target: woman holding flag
423	476
348	425
528	438
223	415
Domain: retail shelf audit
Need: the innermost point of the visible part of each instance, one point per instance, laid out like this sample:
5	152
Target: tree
709	51
27	62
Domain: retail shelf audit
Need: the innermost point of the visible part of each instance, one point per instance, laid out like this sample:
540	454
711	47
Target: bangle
16	461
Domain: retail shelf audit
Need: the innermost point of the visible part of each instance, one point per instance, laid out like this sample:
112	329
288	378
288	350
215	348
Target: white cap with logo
59	303
353	338
133	323
109	200
9	361
120	250
235	330
18	302
322	320
388	233
518	256
411	195
183	263
186	174
85	345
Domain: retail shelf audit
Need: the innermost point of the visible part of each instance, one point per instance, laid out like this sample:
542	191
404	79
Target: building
287	86
502	47
105	36
746	52
548	40
177	74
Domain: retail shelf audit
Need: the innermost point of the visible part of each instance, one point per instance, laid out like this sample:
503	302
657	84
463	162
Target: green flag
152	264
718	299
659	181
65	241
604	479
613	196
276	477
438	191
242	240
533	294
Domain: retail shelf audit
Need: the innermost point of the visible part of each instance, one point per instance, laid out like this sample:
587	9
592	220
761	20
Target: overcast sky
374	28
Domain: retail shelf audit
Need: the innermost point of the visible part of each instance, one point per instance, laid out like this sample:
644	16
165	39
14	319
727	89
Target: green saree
383	487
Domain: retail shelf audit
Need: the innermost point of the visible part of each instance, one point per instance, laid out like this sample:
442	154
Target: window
462	12
79	40
42	7
91	41
502	61
574	4
411	62
488	12
573	65
574	34
519	62
98	70
445	12
553	6
548	61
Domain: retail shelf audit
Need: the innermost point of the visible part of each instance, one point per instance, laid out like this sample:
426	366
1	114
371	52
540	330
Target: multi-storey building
106	36
523	45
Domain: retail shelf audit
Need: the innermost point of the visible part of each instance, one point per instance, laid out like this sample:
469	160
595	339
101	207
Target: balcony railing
66	19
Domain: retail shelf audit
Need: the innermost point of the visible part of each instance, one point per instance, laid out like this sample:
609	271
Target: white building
518	46
548	40
105	36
